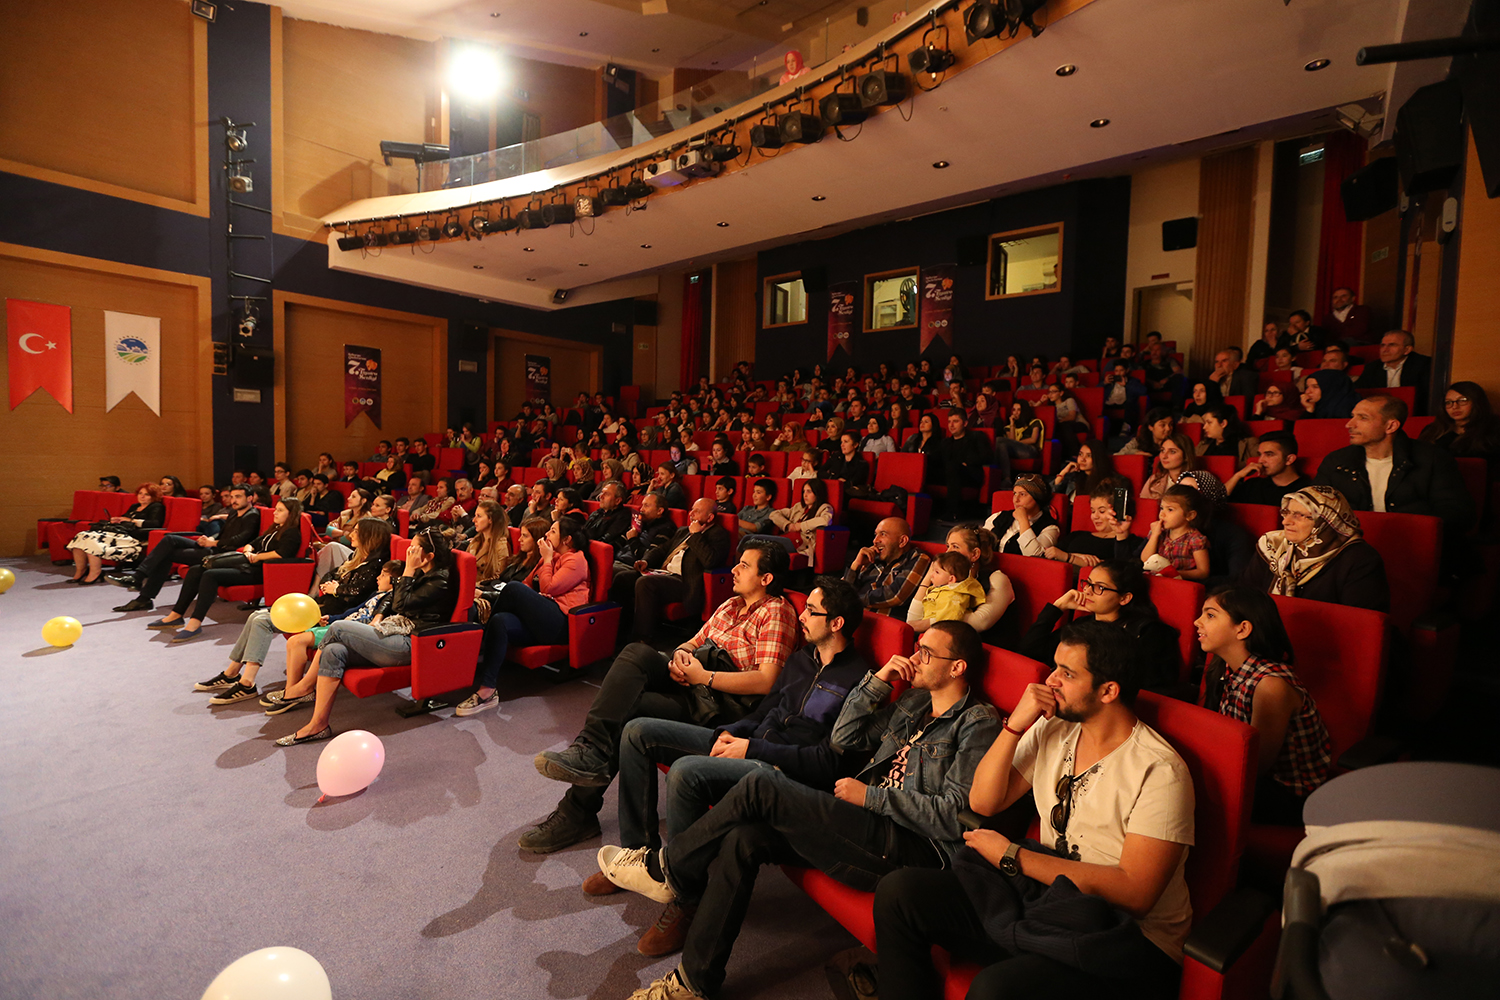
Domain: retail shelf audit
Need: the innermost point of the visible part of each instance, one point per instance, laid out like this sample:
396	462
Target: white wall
1157	194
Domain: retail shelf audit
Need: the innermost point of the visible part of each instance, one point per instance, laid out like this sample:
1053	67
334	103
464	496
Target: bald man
671	571
887	572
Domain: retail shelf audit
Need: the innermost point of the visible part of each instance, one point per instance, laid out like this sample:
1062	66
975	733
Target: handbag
226	560
706	704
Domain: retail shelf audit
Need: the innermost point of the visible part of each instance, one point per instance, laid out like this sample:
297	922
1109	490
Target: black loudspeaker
645	312
969	251
475	338
814	280
1480	74
1430	137
561	295
1372	190
254	368
1179	234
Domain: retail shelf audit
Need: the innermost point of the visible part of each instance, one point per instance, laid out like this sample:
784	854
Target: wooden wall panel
734	321
1476	322
65	451
109	95
310	376
1226	210
563	96
343	91
575	368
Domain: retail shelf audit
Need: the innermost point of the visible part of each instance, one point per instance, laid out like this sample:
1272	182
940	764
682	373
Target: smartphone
1123	503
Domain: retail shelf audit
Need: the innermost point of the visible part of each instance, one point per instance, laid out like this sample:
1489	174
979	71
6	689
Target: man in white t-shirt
1116	807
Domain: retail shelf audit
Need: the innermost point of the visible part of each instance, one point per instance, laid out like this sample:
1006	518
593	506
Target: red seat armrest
592	632
443	659
286	576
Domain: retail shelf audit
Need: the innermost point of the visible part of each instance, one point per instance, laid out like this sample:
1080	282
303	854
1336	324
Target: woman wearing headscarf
1205	396
1028	529
1320	554
1329	395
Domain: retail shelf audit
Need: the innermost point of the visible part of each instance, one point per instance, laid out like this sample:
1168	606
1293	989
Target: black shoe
580	764
420	706
558	831
230	695
139	604
218	682
251	606
127	580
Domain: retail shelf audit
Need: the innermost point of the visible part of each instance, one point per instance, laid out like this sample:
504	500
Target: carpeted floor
149	840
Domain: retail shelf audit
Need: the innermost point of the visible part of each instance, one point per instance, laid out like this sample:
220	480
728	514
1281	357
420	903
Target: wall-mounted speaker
1430	137
253	368
474	338
1179	234
1372	190
645	312
969	251
561	295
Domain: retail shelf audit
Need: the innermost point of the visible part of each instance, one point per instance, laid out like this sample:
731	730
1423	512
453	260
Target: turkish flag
39	338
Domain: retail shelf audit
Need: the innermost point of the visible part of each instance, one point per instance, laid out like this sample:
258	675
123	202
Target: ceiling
1173	77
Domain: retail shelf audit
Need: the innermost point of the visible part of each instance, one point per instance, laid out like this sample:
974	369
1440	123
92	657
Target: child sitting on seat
1174	542
952	591
724	496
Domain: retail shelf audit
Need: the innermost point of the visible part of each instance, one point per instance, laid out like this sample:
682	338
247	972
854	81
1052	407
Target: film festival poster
842	305
937	304
538	378
361	383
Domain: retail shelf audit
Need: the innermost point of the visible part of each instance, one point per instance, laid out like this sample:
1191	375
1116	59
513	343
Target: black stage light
453	228
374	238
586	206
504	224
427	232
480	224
532	218
842	109
351	242
929	59
882	86
403	236
613	197
722	152
559	213
638	189
765	136
983	20
799	126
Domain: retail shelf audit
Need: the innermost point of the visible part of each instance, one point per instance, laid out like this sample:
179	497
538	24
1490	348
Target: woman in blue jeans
523	616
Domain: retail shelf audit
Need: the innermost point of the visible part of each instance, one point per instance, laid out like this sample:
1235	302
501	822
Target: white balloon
272	974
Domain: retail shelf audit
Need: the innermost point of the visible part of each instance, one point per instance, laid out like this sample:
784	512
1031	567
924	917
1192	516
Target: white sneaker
626	868
473	704
668	987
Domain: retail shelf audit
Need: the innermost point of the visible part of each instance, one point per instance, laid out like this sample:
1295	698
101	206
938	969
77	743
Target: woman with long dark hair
1465	426
1091	466
928	440
1155	428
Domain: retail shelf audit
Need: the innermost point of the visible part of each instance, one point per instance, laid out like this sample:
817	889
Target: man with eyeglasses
900	810
787	731
1116	803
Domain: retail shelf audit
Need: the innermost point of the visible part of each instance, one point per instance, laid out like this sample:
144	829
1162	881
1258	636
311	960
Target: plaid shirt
1179	551
887	588
1307	749
762	634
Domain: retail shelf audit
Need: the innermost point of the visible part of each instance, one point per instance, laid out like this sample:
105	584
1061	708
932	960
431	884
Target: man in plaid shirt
887	573
756	629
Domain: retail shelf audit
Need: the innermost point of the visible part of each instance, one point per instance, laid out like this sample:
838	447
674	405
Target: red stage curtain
692	328
1341	242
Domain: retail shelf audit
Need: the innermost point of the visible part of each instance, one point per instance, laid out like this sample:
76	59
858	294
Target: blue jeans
695	782
354	644
518	616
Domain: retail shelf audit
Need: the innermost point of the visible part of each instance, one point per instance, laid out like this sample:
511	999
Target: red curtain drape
692	328
1341	242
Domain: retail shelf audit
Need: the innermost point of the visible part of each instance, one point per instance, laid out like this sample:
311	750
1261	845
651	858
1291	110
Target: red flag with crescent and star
39	338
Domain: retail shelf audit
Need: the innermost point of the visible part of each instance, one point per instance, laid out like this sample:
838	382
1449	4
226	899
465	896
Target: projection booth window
1025	262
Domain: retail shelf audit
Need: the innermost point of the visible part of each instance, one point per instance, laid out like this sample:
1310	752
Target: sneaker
280	703
218	682
473	704
229	696
558	831
626	868
668	933
668	987
597	885
580	764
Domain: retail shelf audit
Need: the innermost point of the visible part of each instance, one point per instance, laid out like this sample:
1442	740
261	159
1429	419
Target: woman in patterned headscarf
1320	554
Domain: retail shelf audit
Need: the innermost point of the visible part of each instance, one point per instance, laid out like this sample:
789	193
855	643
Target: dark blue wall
1095	217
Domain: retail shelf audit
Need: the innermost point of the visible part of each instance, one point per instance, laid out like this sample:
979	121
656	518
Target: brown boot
667	934
597	885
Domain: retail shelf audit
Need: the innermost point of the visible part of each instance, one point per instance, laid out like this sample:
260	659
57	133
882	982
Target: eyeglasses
924	654
1295	515
1460	401
814	614
1095	588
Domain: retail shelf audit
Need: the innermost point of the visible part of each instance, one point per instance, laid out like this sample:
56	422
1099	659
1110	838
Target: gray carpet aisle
149	840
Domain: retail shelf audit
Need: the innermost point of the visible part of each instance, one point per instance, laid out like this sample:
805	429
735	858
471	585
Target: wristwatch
1008	864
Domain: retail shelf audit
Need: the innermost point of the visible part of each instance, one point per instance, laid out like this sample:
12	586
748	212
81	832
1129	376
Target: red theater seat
592	628
896	468
1036	582
1178	603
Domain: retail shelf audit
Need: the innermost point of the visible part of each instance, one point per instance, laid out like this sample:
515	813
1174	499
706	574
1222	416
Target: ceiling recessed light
530	279
819	197
479	267
1066	69
1316	65
583	34
1099	123
529	249
495	14
940	165
713	62
582	264
656	50
723	225
645	246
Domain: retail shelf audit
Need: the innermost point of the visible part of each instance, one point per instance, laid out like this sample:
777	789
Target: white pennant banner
132	359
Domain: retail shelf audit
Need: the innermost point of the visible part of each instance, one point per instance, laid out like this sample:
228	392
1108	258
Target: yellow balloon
62	631
6	579
295	613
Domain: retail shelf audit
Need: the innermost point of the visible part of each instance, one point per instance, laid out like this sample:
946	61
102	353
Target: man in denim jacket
901	810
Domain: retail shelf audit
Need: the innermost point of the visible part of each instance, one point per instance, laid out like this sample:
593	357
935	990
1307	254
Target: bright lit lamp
474	73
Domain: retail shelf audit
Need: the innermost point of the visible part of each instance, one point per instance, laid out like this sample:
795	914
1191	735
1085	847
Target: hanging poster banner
132	359
841	311
39	343
361	383
538	378
937	304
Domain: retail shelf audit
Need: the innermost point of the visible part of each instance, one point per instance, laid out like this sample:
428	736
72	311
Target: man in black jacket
787	731
1231	376
964	456
1398	366
1384	470
672	570
241	528
611	522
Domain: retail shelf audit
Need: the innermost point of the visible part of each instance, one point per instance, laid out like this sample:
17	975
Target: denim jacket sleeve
933	812
862	722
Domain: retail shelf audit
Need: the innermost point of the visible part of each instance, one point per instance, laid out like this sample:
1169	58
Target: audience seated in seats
964	455
1384	470
1346	319
556	468
1203	396
240	528
886	572
1319	554
1174	456
724	491
384	507
1225	434
671	571
214	510
977	545
610	523
522	616
321	499
848	464
1232	377
351	585
984	414
1092	465
721	458
803	518
610	471
1249	677
787	731
1300	333
283	486
1155	428
901	811
1230	547
1029	528
1271	338
666	486
569	503
714	678
949	592
419	459
641	482
1174	541
1399	366
433	513
877	437
682	462
1021	437
928	440
490	544
1116	807
1162	373
355	506
1110	539
422	598
231	570
332	554
1122	390
755	516
808	469
1465	427
1283	361
1329	395
392	475
653	526
1271	474
625	450
1069	419
120	539
1278	406
109	484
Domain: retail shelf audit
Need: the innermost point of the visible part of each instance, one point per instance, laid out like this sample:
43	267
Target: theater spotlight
479	223
799	126
983	20
638	188
613	197
766	134
532	218
504	224
351	241
842	107
1019	12
236	141
247	323
559	213
929	59
375	238
722	152
587	206
404	236
453	229
882	86
427	232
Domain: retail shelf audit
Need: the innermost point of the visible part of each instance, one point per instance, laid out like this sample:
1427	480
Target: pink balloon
350	762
